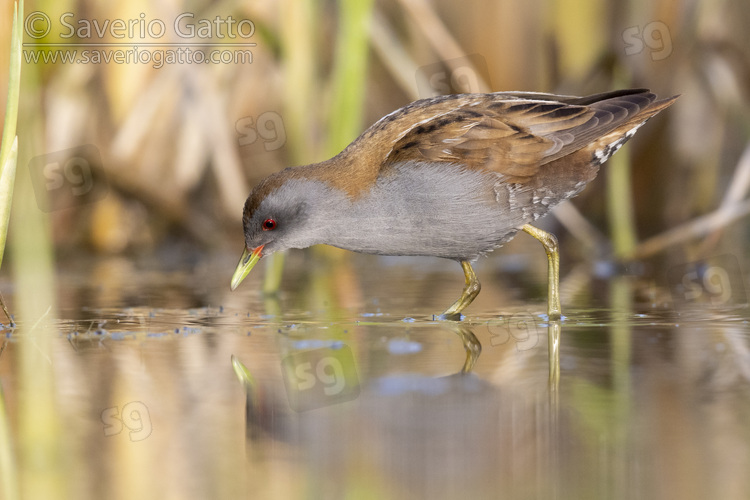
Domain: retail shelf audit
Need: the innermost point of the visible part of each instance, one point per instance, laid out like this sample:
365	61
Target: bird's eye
269	225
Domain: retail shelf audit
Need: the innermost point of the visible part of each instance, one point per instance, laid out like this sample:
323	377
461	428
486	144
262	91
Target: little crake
453	176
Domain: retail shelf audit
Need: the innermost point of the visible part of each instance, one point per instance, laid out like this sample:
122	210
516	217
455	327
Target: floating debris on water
317	344
190	330
121	335
403	346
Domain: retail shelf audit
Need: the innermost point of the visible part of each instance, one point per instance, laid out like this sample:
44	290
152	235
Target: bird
453	176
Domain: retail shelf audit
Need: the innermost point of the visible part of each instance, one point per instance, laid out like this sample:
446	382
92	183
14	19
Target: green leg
553	269
471	290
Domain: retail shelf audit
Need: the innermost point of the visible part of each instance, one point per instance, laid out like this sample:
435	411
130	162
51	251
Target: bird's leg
471	290
553	269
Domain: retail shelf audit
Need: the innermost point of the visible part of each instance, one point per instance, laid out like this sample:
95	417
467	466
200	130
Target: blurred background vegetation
181	145
128	160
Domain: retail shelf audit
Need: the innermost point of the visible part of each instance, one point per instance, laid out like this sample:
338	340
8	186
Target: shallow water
353	390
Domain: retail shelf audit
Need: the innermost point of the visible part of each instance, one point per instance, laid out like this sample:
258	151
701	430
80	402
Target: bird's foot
449	316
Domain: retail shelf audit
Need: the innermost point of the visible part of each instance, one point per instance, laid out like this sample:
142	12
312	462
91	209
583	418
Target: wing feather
514	134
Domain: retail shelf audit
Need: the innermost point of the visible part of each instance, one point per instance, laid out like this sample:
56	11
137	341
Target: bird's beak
247	262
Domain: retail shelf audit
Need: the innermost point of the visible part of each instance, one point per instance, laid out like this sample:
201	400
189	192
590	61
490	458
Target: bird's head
277	217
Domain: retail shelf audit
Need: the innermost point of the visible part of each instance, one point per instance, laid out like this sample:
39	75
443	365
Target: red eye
269	225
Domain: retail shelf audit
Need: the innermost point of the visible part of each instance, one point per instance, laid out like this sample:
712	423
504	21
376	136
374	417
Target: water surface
353	389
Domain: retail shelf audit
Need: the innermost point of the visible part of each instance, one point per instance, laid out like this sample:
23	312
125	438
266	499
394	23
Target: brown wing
514	134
